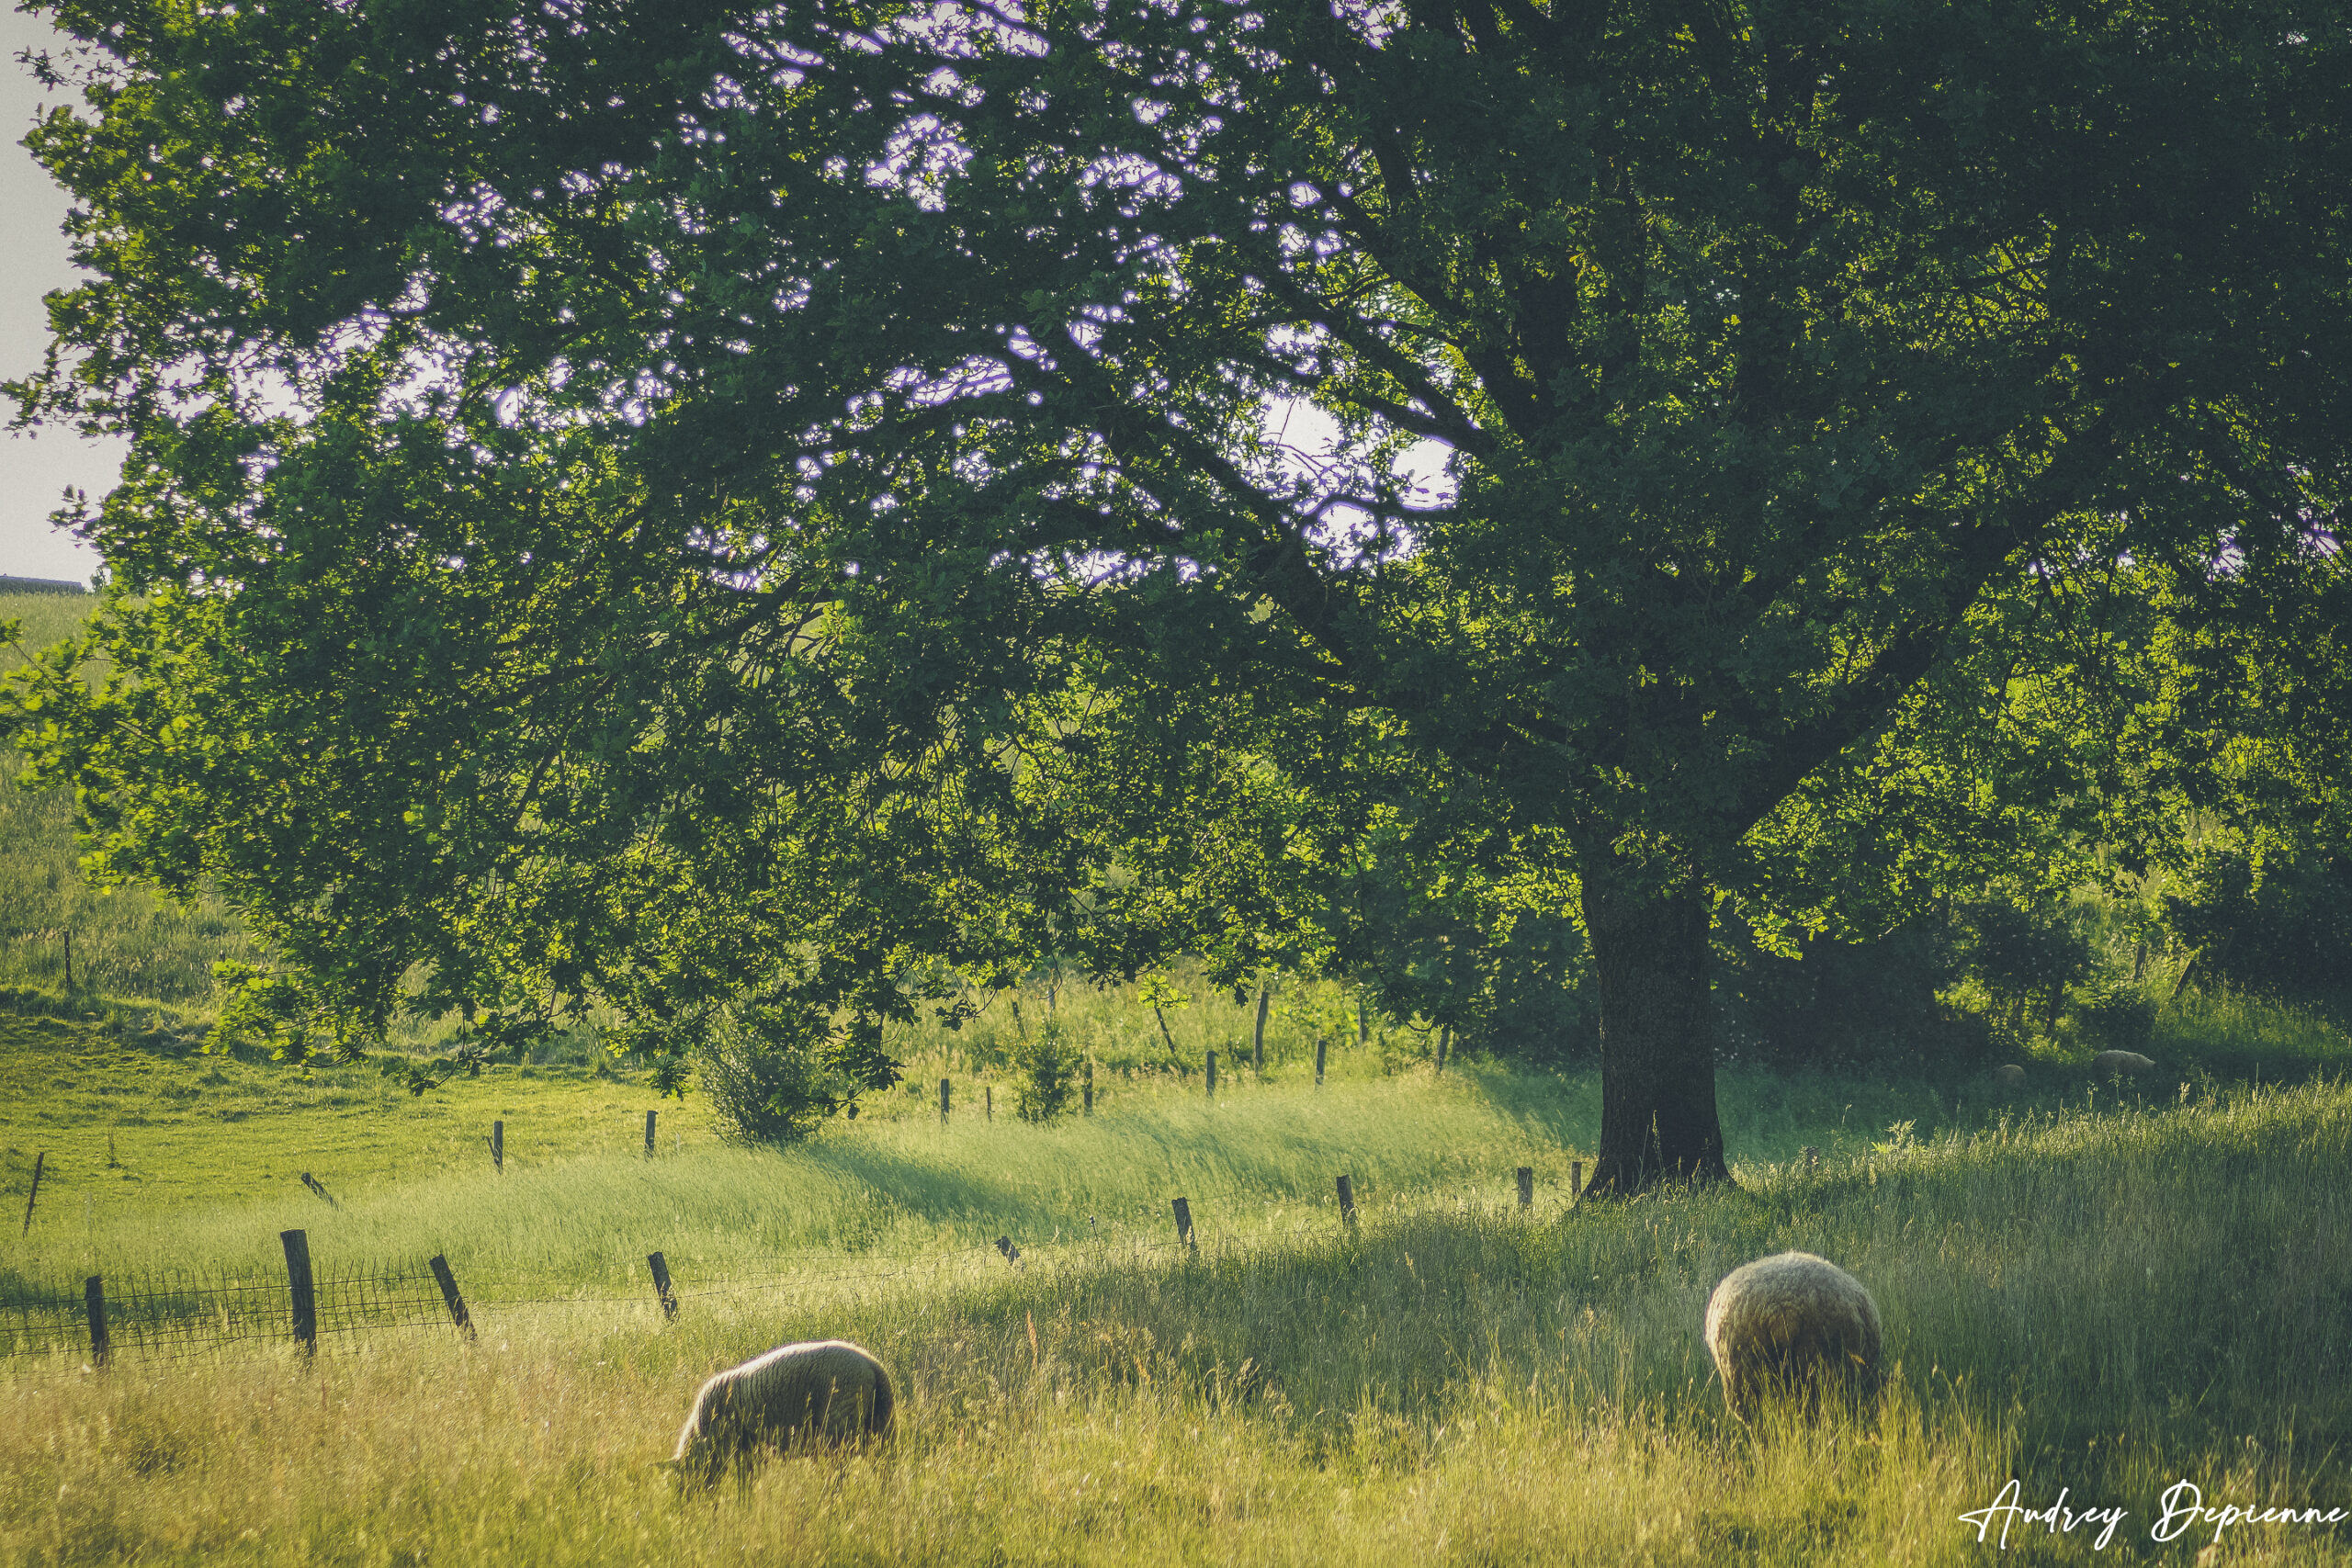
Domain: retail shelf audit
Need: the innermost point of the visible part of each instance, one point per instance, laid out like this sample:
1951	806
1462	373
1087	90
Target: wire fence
172	1315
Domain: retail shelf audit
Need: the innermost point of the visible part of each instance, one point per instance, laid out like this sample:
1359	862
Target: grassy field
2108	1300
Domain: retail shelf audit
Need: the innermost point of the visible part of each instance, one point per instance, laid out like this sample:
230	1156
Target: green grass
2103	1300
163	1161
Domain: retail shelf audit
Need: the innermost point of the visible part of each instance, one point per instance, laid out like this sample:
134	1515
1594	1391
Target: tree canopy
705	507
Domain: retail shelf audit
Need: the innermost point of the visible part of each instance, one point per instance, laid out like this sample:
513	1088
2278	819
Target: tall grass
2105	1302
207	1169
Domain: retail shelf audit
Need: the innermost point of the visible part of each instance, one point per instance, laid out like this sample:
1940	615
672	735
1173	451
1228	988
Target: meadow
2107	1299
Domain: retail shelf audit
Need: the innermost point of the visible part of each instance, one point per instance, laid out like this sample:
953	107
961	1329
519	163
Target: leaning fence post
1184	1223
1348	1200
1322	1046
649	1134
39	1159
1527	1187
298	1281
448	1283
988	1102
942	1103
1211	1074
1258	1036
662	1284
94	1303
1089	1089
498	1147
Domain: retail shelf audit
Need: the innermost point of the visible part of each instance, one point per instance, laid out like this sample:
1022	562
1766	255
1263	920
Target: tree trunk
1658	1063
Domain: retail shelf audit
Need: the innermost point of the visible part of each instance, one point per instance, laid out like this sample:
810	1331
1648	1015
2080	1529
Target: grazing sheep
2121	1064
1790	1323
827	1389
2010	1076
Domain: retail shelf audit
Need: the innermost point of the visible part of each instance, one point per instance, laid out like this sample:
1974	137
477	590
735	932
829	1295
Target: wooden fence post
1364	1023
988	1103
1322	1046
300	1288
942	1103
653	1260
1211	1074
649	1134
1090	1087
320	1187
94	1303
1575	1179
69	959
1348	1201
498	1147
1527	1187
1444	1037
1184	1223
40	1160
457	1303
1258	1036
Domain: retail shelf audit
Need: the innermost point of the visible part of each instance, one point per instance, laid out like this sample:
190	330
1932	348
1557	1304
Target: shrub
1048	1065
768	1072
2115	1013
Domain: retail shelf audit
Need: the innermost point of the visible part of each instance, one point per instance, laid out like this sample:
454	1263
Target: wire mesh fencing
173	1315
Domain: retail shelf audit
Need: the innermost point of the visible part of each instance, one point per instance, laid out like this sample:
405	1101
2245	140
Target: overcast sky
35	471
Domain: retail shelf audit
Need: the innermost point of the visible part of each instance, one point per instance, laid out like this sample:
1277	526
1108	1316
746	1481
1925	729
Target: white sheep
827	1390
1790	1323
2120	1065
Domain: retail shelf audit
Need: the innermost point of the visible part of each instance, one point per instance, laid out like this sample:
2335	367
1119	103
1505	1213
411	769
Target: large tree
615	483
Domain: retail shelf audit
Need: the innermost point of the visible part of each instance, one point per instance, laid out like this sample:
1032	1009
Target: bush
2279	928
768	1073
2117	1014
2024	958
1844	1006
1049	1066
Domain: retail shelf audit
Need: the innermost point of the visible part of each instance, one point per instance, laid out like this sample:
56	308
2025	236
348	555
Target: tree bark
1659	1123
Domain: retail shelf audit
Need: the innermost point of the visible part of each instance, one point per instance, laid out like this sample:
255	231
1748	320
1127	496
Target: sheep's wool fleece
830	1387
1787	1319
2119	1064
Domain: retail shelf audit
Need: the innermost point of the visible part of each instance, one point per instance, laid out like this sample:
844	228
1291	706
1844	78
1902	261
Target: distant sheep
2010	1076
2120	1065
829	1391
1791	1323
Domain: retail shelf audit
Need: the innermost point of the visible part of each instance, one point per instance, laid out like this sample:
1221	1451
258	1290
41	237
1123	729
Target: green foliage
2117	1014
1048	1068
774	1072
128	944
2022	957
2278	926
714	535
1859	1007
